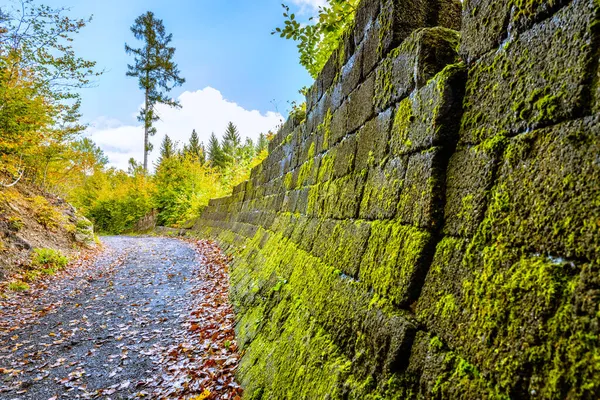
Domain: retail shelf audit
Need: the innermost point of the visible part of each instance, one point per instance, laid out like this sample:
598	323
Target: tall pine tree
194	148
167	150
215	152
232	143
262	144
156	72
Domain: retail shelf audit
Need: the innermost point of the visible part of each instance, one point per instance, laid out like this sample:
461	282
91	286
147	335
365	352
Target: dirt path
127	327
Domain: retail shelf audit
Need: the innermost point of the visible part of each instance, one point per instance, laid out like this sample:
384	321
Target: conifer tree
262	144
156	71
215	152
167	150
248	151
194	148
231	144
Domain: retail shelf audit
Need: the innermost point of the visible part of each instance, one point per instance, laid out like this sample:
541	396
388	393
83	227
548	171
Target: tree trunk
146	134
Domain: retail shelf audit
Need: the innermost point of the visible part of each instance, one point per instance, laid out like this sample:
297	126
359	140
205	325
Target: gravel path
105	328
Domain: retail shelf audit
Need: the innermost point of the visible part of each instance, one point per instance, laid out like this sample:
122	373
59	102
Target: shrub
15	224
48	260
31	276
18	286
45	214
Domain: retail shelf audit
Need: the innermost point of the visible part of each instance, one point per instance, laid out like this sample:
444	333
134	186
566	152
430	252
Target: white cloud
310	6
205	110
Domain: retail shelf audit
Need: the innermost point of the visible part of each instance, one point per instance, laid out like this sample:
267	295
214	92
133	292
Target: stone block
382	190
431	116
394	262
419	58
421	200
344	196
373	141
487	23
469	178
547	195
516	88
360	105
345	155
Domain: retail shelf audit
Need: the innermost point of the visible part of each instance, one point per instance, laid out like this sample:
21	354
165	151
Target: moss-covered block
338	127
390	338
326	166
515	88
435	372
373	141
345	155
420	57
526	326
486	23
344	196
397	19
421	200
547	196
351	239
360	105
293	359
351	74
366	14
430	116
469	178
394	262
309	234
439	307
382	190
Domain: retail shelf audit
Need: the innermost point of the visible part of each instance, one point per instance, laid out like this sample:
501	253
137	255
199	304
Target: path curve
113	322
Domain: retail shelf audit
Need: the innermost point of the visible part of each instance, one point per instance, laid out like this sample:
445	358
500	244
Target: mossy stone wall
432	228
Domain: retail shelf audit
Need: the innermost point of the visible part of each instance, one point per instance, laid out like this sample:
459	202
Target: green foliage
195	149
180	188
114	200
45	214
15	223
18	286
40	76
318	40
167	149
156	72
48	261
216	156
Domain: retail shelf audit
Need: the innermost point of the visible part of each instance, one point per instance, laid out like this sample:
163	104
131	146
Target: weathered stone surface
487	23
351	74
345	155
394	262
516	88
541	199
422	195
425	53
430	116
344	196
469	178
382	190
360	105
373	141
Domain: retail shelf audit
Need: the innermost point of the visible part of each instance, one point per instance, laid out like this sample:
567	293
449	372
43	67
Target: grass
18	286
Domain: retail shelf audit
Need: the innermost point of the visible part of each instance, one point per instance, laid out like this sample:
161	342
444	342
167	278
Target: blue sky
222	45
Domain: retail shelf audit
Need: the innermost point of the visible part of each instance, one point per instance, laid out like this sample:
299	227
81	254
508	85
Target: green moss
288	181
18	286
392	260
400	129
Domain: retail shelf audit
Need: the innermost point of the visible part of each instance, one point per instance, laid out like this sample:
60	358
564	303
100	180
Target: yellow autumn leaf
202	396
